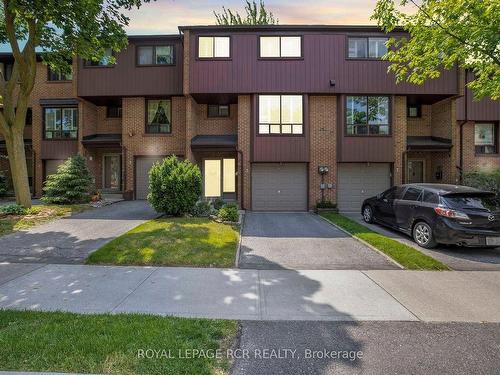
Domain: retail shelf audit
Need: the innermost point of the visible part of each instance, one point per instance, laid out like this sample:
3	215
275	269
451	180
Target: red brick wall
471	161
399	127
244	139
420	126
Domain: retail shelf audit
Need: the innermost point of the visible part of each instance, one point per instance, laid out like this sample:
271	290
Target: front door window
112	172
219	178
415	171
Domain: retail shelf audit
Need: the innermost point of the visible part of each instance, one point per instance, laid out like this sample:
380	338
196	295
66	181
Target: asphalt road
368	348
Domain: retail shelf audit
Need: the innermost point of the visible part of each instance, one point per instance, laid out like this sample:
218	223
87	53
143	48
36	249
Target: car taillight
446	212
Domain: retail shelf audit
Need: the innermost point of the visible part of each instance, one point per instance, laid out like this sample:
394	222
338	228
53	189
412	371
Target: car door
385	207
407	207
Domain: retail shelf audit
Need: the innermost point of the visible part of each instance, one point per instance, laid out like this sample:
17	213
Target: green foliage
325	204
12	209
489	181
203	209
3	185
175	186
256	14
218	203
229	212
443	33
70	184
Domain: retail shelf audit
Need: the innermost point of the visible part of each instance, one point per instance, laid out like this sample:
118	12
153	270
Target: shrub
12	209
218	203
175	186
3	185
70	184
489	181
325	204
229	212
203	209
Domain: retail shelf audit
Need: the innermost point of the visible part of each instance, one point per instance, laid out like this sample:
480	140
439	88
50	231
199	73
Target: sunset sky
163	16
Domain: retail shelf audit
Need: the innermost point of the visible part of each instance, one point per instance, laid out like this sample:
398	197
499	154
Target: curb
363	242
237	259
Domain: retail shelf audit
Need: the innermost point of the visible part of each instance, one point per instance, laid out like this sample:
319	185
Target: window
412	194
280	46
219	178
159	116
59	76
210	47
6	70
114	112
414	111
29	116
155	55
60	123
368	115
216	110
430	197
364	47
105	61
486	138
280	114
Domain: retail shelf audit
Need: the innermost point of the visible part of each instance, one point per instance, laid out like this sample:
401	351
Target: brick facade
399	128
244	147
471	161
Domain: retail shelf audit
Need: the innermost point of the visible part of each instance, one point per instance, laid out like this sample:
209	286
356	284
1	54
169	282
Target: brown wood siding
323	60
60	149
128	79
483	110
279	148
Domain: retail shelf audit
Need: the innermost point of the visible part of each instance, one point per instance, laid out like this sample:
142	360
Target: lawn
405	255
38	214
98	344
198	242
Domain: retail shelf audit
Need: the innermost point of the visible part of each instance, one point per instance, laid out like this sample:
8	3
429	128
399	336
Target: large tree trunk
18	169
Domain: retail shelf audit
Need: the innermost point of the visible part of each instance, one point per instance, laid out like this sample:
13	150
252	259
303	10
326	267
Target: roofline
288	27
154	36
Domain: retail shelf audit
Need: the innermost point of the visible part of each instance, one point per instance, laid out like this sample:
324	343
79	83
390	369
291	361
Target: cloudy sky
163	16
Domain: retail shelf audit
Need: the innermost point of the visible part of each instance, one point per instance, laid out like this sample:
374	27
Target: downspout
461	158
240	153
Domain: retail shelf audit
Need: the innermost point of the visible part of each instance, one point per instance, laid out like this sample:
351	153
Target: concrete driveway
455	257
302	241
70	240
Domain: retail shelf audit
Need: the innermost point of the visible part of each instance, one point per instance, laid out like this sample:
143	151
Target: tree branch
10	28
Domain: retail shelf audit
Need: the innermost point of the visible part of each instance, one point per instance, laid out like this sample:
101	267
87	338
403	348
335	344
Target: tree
256	14
444	33
59	30
174	186
70	184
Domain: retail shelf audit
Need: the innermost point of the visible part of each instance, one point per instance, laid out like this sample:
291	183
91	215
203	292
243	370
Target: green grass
198	242
38	214
98	344
405	255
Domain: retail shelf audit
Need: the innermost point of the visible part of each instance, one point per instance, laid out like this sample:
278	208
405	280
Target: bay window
368	115
60	123
486	138
280	114
159	115
280	46
210	47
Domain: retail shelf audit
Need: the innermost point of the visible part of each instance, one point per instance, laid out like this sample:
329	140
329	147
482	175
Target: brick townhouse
277	117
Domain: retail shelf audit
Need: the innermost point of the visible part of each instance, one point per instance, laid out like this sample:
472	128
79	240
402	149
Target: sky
163	16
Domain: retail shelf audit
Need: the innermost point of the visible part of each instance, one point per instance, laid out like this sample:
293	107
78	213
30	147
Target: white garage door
142	166
279	187
358	181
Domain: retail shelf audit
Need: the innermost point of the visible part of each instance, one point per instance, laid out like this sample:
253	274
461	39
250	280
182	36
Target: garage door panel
279	187
142	167
358	181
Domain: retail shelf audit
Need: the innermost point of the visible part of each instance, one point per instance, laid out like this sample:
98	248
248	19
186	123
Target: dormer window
280	46
214	47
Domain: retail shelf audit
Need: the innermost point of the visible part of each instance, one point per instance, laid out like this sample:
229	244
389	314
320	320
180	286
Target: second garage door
142	166
358	181
279	187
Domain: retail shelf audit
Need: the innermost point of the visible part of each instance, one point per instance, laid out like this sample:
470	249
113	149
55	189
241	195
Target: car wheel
367	214
423	236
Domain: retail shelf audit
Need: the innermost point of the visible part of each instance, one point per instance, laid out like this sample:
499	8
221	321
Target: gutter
465	121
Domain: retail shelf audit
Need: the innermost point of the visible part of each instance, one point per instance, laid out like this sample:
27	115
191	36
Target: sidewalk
328	295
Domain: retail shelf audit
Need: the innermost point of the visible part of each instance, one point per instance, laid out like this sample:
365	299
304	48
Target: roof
446	189
214	141
428	143
102	140
353	28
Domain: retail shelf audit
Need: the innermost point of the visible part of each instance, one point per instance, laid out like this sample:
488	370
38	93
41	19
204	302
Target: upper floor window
367	47
216	110
60	123
210	47
368	115
104	61
6	70
486	138
281	114
159	115
155	55
54	75
280	46
113	111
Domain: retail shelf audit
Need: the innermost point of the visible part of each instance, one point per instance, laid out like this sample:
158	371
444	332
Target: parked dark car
434	213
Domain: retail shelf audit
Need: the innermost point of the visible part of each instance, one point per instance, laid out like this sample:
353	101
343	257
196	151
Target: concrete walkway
70	240
327	295
455	257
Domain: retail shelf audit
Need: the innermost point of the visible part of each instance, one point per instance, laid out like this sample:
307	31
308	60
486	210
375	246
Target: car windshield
468	201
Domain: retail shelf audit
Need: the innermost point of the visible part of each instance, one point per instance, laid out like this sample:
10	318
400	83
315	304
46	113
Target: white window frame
214	54
280	128
281	38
